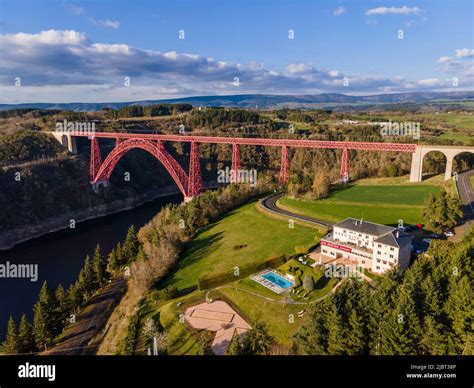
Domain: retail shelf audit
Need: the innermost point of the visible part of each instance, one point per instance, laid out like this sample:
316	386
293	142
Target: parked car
449	233
427	240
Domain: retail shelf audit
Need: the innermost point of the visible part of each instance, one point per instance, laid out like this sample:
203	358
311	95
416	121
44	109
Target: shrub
298	278
167	293
308	282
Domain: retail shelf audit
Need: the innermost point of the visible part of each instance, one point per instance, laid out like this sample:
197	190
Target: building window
380	246
391	256
392	249
379	253
377	267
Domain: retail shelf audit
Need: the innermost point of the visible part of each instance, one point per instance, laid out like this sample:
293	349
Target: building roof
396	238
364	227
386	235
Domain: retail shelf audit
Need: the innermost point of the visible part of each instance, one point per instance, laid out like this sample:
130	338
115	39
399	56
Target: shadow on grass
198	249
322	282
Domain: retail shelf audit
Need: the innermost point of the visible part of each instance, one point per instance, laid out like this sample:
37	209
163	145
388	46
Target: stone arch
465	163
434	162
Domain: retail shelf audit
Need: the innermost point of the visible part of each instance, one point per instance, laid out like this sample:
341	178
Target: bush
167	293
298	278
308	283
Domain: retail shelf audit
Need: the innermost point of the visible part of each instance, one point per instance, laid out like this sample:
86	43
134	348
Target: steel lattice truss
192	185
155	148
292	143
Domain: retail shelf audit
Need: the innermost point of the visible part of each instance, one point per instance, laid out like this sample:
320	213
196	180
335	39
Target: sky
123	50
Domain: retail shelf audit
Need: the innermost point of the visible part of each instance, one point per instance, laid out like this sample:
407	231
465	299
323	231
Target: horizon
236	95
65	51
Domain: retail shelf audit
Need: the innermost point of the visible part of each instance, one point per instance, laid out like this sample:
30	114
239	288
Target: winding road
269	203
466	193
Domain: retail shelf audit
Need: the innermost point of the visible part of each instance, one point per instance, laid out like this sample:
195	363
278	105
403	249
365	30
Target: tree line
55	310
426	309
147	110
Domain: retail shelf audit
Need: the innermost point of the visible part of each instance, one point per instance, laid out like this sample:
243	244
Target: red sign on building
336	246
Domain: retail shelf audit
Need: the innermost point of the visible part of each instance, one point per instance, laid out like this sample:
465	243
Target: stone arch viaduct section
416	173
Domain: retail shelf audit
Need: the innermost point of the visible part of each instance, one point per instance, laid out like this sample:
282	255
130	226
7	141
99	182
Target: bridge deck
294	143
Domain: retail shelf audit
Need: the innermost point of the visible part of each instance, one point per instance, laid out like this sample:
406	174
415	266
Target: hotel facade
375	247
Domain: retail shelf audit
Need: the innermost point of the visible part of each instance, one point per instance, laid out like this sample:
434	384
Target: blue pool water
278	280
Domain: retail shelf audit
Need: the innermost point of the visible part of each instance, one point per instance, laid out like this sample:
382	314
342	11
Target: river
60	256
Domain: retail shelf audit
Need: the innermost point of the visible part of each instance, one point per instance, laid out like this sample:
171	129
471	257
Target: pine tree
400	327
45	317
130	246
41	328
255	341
99	267
10	345
460	306
62	308
87	279
311	339
26	343
75	297
112	264
335	333
433	340
355	343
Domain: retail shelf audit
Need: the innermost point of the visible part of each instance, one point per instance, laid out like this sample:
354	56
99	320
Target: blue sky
64	51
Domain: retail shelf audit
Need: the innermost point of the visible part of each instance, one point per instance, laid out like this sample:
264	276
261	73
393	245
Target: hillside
266	101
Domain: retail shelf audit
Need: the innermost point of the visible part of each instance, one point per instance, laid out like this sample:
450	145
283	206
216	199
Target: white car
449	234
427	240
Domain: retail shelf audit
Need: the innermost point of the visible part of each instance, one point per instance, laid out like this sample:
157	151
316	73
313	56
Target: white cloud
65	66
460	68
465	53
394	11
430	82
444	59
75	9
106	23
339	11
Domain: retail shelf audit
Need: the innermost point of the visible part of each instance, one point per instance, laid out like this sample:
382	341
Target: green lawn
281	319
384	204
472	180
214	251
390	194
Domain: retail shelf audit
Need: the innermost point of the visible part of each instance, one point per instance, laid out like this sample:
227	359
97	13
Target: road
466	193
269	203
76	339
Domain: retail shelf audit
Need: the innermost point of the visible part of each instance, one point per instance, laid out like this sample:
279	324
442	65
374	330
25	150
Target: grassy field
472	180
213	251
384	204
244	236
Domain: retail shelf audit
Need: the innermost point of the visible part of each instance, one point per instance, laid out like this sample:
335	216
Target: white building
373	246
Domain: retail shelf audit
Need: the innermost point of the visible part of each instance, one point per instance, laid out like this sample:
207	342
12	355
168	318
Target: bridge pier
416	171
344	171
284	166
66	139
449	167
96	186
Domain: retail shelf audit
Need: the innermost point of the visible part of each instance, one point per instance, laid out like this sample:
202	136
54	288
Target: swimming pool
278	280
